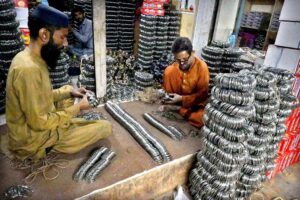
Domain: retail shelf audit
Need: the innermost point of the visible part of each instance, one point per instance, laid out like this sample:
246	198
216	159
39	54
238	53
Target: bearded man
186	81
39	118
84	35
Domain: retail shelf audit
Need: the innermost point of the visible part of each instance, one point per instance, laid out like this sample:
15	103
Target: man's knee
105	128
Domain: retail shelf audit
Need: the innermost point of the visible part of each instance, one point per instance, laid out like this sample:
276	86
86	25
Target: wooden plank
149	184
99	46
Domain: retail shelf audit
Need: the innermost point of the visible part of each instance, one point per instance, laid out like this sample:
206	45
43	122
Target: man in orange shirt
186	81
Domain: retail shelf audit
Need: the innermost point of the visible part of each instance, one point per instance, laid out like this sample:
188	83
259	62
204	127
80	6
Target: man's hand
174	99
84	103
166	108
78	92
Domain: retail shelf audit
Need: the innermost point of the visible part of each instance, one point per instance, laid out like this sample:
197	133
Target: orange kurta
192	85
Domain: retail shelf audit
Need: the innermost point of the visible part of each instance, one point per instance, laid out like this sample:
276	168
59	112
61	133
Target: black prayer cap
50	16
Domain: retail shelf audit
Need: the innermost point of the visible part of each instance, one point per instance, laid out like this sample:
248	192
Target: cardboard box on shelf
290	11
153	5
284	58
157	1
288	35
154	12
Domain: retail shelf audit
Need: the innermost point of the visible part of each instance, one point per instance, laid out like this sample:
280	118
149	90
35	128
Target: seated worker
39	118
84	35
186	81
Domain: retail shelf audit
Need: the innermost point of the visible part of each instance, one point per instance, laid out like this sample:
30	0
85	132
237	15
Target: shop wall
226	17
187	25
187	20
203	24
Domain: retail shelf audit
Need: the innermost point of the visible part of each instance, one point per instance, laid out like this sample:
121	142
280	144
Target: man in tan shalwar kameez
34	119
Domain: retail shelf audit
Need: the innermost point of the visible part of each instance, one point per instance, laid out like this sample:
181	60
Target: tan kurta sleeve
35	102
62	93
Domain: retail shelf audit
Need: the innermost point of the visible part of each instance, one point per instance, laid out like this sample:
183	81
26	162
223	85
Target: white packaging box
288	35
22	17
284	58
290	11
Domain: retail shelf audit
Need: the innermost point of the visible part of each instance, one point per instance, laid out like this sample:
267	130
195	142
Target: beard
184	67
50	53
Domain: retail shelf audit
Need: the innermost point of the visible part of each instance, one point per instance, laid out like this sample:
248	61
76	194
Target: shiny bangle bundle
91	115
92	99
213	57
238	66
98	167
156	149
88	83
233	97
266	118
226	131
230	57
253	180
266	106
212	158
120	93
18	192
222	143
146	41
59	76
224	119
283	75
143	79
288	101
170	131
98	161
220	44
8	25
251	169
120	25
2	99
232	135
263	93
234	110
10	44
6	4
264	129
7	35
266	79
257	140
280	129
10	40
81	172
233	52
238	82
213	171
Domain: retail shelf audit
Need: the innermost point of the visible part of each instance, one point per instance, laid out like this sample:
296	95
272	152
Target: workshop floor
285	185
131	159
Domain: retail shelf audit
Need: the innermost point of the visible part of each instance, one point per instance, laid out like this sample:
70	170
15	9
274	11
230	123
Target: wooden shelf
270	35
248	27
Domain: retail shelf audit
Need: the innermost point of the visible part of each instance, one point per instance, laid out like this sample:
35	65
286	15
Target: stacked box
256	20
